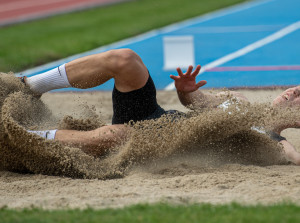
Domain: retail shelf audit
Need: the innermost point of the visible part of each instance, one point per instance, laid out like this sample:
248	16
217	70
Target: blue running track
255	44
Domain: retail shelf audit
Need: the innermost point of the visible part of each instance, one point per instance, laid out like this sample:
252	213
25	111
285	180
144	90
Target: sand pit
166	170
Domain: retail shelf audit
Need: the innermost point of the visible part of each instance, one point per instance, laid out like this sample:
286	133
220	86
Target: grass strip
160	213
34	43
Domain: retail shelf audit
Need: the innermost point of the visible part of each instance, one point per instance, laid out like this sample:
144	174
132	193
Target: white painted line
231	29
258	44
153	33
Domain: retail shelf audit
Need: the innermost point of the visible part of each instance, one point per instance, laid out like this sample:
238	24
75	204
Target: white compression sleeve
46	134
50	80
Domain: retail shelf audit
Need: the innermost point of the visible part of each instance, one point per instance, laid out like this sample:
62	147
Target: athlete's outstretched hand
186	82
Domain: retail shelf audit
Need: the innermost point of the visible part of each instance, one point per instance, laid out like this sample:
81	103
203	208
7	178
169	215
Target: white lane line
170	28
258	44
231	29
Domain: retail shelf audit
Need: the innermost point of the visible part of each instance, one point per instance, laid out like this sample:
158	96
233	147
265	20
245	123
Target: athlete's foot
23	80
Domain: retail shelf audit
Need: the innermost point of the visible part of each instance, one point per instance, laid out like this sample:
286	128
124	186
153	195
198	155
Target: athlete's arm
290	152
190	95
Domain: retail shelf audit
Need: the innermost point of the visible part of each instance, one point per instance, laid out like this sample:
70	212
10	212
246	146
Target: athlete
134	97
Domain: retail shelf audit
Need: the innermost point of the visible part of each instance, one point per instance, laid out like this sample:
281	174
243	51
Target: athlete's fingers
189	70
179	71
196	71
175	78
201	83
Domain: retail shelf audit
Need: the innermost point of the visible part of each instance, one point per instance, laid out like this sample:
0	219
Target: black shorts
137	105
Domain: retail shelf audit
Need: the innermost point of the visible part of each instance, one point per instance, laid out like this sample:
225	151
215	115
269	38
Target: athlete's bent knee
123	58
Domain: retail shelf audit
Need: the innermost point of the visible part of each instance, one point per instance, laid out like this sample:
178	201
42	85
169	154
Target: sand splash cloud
224	135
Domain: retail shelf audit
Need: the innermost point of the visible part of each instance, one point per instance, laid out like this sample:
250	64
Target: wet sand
179	178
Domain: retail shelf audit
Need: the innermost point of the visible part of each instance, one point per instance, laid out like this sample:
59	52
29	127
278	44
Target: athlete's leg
129	73
124	65
96	142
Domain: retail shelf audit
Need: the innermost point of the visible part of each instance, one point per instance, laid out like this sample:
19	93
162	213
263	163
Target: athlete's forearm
290	152
195	99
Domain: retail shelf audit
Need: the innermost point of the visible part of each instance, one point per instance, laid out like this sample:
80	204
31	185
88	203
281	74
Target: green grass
161	213
30	44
